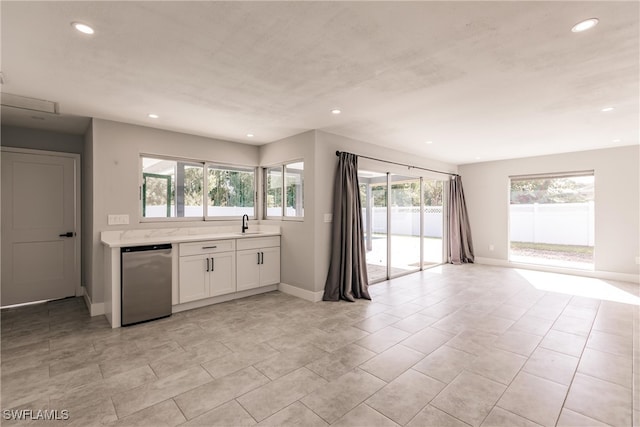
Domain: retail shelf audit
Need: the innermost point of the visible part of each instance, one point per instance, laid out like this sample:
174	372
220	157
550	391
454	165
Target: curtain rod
399	164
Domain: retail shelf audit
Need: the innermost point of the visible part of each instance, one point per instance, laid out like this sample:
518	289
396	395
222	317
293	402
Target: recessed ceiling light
336	111
585	25
617	140
83	28
153	116
250	135
607	109
428	142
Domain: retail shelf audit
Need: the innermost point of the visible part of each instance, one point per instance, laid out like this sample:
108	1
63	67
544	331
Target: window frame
283	192
205	165
549	265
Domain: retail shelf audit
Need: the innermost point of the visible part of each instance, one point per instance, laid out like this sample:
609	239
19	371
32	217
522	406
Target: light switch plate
328	217
118	219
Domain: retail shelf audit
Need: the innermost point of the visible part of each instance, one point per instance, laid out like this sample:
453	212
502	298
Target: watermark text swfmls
37	414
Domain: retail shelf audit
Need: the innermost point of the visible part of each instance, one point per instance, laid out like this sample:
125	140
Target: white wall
298	236
617	202
116	152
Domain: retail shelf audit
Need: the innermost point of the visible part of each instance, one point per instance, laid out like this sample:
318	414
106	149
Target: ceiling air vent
32	104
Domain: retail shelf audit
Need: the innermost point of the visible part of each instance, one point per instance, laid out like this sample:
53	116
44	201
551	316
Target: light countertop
122	238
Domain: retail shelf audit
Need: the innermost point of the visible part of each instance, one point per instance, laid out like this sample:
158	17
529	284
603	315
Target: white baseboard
606	275
96	309
300	293
222	298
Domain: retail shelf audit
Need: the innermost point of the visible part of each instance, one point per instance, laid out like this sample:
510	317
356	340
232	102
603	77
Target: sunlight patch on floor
578	286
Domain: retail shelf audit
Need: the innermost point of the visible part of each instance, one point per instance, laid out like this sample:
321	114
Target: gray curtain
347	278
460	244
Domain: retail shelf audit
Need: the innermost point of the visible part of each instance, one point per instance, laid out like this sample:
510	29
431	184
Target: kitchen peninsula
209	264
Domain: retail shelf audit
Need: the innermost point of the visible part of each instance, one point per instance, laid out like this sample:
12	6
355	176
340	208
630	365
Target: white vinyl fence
405	221
160	211
557	223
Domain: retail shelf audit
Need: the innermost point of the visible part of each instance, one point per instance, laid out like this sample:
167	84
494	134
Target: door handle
67	234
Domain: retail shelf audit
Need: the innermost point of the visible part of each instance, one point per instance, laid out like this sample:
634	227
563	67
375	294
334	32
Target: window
231	191
273	196
551	220
294	174
171	189
177	188
284	197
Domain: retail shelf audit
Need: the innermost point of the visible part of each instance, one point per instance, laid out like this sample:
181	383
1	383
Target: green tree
155	191
230	188
552	190
433	192
193	181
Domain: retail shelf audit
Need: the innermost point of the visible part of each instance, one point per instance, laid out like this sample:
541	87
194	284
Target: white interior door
40	256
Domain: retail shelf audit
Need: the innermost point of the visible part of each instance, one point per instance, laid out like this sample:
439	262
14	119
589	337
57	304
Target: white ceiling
482	80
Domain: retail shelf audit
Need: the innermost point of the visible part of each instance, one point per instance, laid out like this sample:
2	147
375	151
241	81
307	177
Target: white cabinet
258	262
207	269
219	267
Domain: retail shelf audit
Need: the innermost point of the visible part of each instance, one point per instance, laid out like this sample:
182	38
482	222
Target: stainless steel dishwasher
146	283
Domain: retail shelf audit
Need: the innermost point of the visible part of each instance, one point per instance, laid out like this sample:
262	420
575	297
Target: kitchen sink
249	233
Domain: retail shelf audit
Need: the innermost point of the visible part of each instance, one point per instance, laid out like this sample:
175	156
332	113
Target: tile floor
452	346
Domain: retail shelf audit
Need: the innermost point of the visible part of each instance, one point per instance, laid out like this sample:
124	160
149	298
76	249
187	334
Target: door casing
77	243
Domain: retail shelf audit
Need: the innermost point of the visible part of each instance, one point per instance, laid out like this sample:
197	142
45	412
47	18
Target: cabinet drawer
258	242
207	247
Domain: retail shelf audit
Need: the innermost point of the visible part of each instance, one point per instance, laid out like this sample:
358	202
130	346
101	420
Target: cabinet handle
207	264
209	247
258	257
213	264
261	257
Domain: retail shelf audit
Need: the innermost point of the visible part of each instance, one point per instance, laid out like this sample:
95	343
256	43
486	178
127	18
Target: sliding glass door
403	223
373	195
433	220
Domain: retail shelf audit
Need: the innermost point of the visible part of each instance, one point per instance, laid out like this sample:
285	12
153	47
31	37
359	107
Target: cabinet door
194	278
248	272
222	279
270	267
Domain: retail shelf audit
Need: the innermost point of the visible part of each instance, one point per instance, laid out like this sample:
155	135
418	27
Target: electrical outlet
328	217
118	219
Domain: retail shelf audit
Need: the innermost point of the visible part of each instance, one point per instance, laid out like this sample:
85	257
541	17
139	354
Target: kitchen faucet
245	225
